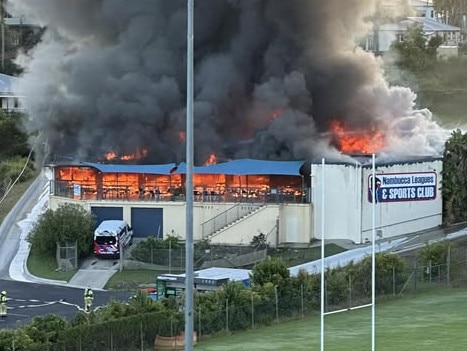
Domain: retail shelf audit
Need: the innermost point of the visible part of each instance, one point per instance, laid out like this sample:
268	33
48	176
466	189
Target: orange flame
212	160
139	154
363	142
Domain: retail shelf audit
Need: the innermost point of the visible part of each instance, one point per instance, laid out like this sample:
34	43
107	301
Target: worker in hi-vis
88	298
3	308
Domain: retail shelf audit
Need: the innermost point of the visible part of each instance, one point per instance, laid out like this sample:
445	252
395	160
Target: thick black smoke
110	75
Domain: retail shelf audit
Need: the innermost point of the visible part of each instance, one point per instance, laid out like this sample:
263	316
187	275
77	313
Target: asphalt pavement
30	296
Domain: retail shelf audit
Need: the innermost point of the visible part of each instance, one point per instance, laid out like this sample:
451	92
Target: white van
111	237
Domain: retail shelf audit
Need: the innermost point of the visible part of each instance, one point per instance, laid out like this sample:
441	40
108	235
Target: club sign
397	187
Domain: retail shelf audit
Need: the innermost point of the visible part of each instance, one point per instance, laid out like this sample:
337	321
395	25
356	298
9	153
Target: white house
390	32
9	100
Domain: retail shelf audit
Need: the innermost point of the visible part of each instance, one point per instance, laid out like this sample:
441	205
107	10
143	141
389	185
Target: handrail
230	215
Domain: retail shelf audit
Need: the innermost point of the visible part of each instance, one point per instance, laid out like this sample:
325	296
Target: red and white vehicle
111	237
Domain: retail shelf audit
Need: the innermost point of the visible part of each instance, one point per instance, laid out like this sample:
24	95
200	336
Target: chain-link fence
234	307
204	257
67	256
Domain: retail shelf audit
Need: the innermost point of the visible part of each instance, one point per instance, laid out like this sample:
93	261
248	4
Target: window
105	240
400	37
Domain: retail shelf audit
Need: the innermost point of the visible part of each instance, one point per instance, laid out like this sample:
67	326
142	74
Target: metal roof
20	21
236	167
6	84
217	273
432	25
256	167
249	167
140	169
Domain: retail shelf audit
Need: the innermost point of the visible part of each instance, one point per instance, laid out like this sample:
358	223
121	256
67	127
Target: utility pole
2	29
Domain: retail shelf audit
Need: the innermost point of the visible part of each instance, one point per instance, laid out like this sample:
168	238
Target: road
29	296
10	232
29	300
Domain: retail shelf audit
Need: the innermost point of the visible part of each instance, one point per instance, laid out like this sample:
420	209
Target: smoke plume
270	75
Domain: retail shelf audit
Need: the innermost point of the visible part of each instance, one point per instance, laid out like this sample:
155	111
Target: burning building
234	201
108	78
274	80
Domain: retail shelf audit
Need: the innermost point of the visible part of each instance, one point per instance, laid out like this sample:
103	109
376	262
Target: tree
451	11
454	182
414	53
69	223
14	141
45	330
272	270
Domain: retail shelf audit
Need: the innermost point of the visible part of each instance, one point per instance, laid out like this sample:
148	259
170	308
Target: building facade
408	199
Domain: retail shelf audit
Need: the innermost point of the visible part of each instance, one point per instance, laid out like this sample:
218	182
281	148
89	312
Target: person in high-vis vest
88	298
3	308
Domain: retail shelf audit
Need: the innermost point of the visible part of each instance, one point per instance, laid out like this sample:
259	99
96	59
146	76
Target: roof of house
6	84
431	24
20	21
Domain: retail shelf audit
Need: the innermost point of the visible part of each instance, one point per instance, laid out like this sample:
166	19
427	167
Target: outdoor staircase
228	218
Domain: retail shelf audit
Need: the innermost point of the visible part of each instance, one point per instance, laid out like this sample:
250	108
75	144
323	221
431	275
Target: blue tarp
236	167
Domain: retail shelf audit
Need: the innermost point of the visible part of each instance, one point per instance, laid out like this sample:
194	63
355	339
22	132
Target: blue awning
165	169
249	167
236	167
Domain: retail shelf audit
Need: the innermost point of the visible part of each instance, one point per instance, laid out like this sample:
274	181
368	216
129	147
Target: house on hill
8	98
382	38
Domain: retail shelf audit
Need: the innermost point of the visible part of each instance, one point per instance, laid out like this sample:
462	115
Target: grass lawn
13	196
434	321
45	267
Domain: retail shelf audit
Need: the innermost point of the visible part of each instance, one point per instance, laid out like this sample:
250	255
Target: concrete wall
294	219
262	221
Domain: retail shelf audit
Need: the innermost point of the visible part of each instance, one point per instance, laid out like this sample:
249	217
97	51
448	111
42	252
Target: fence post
199	323
227	314
277	304
301	296
142	336
394	281
350	291
449	266
252	312
415	275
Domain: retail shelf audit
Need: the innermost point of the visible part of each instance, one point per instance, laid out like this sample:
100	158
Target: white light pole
373	250
189	274
323	175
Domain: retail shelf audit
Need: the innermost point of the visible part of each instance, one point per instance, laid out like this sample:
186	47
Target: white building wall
385	39
295	224
342	201
347	210
262	221
396	218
